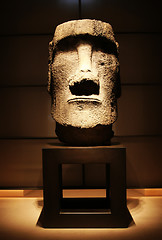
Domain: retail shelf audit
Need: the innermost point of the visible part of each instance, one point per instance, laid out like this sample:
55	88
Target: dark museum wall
26	125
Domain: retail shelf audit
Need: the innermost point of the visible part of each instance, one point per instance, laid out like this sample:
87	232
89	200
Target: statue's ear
117	47
118	84
50	60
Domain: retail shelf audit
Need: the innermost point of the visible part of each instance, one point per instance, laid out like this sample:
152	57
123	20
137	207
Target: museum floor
19	215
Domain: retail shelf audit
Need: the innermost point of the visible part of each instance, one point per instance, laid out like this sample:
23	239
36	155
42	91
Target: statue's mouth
85	100
84	87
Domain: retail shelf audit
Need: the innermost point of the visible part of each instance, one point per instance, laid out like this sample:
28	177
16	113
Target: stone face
84	80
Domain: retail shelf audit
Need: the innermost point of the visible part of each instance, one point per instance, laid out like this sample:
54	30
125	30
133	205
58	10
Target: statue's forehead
94	28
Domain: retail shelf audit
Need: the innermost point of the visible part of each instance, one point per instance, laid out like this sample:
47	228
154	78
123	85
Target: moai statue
84	81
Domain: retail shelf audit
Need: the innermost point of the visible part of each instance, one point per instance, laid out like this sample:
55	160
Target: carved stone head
84	81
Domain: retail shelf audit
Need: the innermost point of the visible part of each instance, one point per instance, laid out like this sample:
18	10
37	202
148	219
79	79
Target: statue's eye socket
105	46
67	44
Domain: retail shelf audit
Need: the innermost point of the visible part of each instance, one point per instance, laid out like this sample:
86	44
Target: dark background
26	126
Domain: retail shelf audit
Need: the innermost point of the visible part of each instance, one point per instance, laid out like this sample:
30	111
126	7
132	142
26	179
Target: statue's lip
84	99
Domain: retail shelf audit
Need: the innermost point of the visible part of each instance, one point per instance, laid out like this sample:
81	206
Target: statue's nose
85	82
85	57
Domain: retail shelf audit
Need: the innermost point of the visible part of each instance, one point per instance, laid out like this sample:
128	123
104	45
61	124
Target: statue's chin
98	135
84	115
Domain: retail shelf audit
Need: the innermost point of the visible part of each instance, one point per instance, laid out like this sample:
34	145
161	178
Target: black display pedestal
109	211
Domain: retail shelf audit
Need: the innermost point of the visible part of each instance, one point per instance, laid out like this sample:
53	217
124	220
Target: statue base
84	212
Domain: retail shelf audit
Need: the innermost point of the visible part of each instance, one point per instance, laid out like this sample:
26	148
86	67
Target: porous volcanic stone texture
83	78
